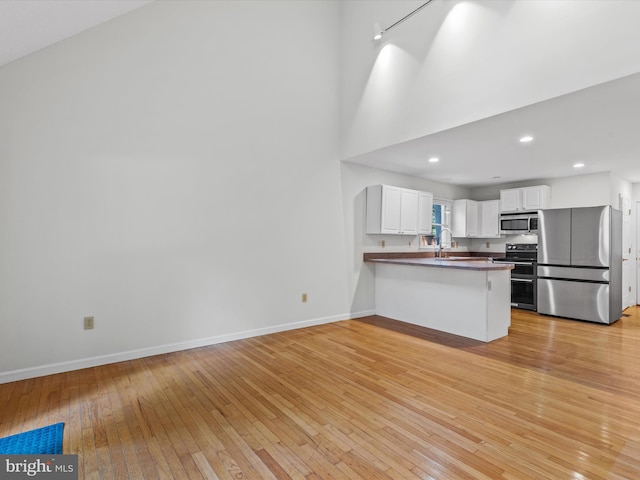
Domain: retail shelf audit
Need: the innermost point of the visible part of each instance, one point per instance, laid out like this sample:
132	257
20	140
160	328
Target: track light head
377	31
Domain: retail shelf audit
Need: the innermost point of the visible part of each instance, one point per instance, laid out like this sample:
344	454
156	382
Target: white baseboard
364	313
53	368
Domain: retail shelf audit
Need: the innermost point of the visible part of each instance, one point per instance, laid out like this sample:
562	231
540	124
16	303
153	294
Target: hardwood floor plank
205	467
370	398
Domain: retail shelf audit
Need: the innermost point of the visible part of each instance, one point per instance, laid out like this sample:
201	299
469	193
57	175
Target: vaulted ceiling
28	26
596	126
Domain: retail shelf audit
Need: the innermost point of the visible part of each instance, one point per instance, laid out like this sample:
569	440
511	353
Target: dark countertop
433	254
462	264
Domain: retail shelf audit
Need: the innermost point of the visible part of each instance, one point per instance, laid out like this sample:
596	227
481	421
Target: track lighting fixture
379	32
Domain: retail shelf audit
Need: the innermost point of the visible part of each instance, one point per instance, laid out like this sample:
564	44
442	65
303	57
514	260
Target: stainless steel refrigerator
580	263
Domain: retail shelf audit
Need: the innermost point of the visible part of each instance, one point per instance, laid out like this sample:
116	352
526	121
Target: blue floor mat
45	440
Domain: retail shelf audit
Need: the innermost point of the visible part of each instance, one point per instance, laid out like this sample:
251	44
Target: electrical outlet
88	323
382	243
488	244
304	297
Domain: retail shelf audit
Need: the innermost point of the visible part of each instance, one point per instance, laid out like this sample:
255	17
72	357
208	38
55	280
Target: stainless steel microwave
514	223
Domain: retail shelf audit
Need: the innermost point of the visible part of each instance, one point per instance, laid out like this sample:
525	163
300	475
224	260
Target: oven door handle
520	263
522	280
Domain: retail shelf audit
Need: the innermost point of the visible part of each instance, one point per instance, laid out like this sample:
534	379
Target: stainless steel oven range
524	278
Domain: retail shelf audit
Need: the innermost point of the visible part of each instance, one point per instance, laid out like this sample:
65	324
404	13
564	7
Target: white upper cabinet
510	200
464	219
489	219
393	210
473	219
425	213
536	198
391	203
525	199
408	212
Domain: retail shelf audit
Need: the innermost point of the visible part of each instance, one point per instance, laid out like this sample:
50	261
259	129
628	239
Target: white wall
635	244
355	179
175	173
459	61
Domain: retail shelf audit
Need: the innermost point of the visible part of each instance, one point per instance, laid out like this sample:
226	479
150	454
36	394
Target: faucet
442	230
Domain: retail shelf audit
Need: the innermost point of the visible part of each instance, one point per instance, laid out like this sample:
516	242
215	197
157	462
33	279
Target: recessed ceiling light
578	165
526	139
434	160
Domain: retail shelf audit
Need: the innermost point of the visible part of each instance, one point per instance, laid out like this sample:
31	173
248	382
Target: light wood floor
359	399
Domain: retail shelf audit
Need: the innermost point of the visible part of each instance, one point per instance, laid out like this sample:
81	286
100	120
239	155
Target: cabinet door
510	200
459	219
391	207
409	212
465	218
472	218
425	212
535	198
490	219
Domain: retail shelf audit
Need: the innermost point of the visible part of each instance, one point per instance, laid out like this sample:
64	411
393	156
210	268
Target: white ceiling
597	126
30	25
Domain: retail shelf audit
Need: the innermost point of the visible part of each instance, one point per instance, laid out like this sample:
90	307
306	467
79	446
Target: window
441	221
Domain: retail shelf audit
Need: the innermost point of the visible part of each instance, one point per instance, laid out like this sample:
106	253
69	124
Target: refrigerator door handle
575	280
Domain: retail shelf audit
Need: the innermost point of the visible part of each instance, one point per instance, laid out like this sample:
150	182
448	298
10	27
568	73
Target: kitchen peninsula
466	297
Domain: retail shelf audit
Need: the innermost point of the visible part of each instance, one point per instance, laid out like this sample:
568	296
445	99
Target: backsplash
498	244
